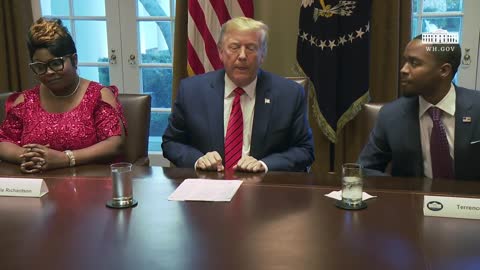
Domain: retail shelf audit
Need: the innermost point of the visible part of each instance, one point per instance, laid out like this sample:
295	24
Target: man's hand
211	161
249	164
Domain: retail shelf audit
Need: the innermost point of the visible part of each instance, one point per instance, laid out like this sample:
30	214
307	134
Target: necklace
69	95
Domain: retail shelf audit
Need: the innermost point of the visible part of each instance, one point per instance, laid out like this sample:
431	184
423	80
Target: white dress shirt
447	106
247	102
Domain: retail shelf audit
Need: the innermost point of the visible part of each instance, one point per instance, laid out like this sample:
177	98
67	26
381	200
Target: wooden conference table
275	221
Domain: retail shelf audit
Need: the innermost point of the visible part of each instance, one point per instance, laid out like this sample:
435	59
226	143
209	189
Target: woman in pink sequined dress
66	120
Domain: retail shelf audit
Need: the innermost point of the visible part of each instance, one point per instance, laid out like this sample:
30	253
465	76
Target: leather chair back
303	81
137	108
358	130
3	99
370	114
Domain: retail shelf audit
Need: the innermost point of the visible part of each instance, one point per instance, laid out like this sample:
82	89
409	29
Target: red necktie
442	164
234	136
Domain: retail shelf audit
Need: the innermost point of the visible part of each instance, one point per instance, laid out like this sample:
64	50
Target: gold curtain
15	18
390	31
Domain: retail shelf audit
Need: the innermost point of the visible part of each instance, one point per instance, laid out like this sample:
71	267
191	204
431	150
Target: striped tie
442	164
234	136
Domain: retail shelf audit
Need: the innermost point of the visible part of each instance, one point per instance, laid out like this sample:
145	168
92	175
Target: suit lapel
463	130
412	136
262	111
215	112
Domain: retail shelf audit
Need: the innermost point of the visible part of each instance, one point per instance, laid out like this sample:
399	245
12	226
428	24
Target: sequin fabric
92	121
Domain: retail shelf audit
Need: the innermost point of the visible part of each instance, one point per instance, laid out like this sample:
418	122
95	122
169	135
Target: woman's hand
32	159
39	158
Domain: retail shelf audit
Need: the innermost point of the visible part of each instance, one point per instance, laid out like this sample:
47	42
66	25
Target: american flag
205	18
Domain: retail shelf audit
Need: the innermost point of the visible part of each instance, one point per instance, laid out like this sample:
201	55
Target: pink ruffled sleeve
12	127
109	121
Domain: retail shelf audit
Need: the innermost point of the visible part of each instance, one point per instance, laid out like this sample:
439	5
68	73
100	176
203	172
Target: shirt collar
230	86
447	104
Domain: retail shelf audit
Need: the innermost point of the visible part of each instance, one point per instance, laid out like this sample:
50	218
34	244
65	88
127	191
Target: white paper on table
205	190
337	195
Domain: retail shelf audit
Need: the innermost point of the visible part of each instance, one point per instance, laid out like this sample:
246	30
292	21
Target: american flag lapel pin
467	119
267	101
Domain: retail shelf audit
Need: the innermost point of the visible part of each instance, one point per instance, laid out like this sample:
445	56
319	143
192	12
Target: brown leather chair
303	81
370	113
3	99
136	108
358	130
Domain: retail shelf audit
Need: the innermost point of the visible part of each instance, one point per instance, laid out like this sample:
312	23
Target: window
128	43
84	24
454	16
430	15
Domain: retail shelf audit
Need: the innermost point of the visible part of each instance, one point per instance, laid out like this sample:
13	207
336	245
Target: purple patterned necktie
442	164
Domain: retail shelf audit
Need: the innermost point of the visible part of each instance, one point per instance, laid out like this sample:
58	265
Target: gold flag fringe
322	123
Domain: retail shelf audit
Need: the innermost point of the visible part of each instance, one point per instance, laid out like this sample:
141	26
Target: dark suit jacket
396	138
281	136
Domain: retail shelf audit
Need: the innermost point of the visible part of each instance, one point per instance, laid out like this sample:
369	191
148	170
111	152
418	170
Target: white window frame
419	15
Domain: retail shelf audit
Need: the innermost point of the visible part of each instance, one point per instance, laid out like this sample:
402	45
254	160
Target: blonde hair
52	35
245	24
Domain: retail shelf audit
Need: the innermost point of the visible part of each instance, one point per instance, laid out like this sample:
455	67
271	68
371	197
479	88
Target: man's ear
446	70
261	57
220	52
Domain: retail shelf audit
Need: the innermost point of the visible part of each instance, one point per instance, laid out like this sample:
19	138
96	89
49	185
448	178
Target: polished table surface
275	221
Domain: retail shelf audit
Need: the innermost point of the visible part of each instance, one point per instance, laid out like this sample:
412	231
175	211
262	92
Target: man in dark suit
432	131
240	117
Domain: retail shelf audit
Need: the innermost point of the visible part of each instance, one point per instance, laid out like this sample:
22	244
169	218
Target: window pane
414	27
90	49
451	24
158	124
88	8
442	5
153	8
54	7
158	83
415	6
97	74
154	143
68	25
155	42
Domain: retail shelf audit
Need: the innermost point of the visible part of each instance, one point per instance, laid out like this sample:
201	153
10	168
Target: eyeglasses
56	64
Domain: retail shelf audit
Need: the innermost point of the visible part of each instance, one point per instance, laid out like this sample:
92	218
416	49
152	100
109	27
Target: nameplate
22	187
454	207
